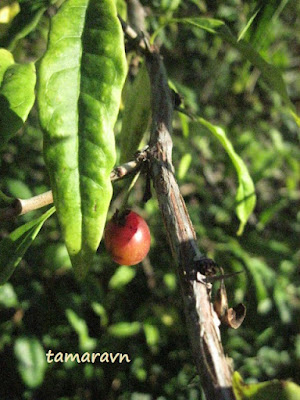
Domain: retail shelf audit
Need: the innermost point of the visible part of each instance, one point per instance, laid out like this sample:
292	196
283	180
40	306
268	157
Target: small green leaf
18	189
125	329
245	196
86	343
184	119
152	334
136	115
248	25
101	312
275	389
184	165
8	297
122	277
16	98
31	361
14	246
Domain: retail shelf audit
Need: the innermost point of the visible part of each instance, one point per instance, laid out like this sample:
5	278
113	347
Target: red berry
127	238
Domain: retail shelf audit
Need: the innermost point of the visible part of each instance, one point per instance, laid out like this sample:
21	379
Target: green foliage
280	390
269	72
31	361
86	343
25	22
14	246
136	115
121	277
139	310
124	329
17	83
79	95
245	196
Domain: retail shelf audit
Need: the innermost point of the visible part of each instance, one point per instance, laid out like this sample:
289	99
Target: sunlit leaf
31	361
86	343
245	196
8	297
80	82
25	22
125	329
248	25
184	165
16	97
275	389
122	277
152	334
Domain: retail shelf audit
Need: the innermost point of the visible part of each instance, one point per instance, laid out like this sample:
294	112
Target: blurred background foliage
138	310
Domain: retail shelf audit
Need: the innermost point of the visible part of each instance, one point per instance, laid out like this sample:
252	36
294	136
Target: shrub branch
203	324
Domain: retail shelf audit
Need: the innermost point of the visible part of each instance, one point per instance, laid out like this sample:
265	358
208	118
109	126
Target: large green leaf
269	72
31	361
16	95
80	82
245	196
275	389
14	246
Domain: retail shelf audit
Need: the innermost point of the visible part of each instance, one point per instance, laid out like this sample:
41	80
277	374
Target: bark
202	323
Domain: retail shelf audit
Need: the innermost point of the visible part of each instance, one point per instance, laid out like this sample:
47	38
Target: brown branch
203	324
214	370
23	206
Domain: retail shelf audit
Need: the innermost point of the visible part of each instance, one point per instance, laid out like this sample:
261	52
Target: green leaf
248	25
101	312
136	115
8	297
245	196
269	72
184	165
16	97
14	246
6	60
152	334
122	277
80	82
263	276
275	389
25	22
86	343
18	189
31	361
267	12
125	329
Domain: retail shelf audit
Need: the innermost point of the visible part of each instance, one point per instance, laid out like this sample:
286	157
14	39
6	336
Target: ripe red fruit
127	238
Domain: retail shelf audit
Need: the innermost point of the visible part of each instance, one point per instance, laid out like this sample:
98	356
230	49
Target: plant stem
18	207
124	205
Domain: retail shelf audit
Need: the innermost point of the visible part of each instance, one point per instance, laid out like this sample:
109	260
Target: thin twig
23	206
